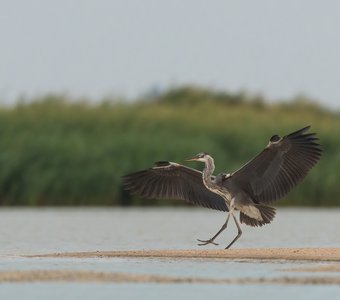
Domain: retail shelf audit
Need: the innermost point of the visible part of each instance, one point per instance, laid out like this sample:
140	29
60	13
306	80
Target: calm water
31	231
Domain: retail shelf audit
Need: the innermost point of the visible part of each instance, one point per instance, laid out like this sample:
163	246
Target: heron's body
224	186
283	163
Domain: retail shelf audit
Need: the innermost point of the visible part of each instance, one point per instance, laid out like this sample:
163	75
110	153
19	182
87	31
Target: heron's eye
275	138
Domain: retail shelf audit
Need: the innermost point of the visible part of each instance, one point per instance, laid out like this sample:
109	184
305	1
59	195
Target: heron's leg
238	234
211	241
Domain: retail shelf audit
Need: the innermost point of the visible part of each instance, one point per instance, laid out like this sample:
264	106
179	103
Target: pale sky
95	48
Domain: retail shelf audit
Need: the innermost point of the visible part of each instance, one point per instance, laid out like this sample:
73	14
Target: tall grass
57	152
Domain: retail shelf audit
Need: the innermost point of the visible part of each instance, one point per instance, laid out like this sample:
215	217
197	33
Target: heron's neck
208	171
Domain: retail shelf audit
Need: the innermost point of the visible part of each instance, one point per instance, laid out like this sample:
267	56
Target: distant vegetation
54	151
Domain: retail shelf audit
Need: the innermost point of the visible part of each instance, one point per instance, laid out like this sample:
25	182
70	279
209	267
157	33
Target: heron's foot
206	242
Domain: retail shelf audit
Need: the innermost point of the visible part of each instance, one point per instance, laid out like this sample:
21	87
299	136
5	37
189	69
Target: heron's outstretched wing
173	181
279	167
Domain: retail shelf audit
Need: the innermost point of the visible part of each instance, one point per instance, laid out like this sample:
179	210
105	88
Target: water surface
32	231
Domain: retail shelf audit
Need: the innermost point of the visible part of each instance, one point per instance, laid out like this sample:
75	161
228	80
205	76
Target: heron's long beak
194	158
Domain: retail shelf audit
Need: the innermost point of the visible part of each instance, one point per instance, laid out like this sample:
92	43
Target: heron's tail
267	213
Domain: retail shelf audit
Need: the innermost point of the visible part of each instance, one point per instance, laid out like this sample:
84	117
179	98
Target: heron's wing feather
173	181
279	167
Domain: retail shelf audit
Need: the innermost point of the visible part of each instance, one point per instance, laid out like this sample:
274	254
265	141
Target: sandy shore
331	255
309	254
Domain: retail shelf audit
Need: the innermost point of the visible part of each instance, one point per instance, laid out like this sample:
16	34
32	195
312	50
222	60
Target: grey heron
283	163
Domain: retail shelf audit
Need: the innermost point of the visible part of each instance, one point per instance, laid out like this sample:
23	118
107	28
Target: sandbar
307	254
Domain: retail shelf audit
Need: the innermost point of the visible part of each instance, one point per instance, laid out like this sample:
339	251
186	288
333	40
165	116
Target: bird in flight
269	176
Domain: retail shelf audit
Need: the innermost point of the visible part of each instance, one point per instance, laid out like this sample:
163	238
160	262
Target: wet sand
109	277
308	254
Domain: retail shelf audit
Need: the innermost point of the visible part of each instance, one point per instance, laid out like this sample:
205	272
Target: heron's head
203	157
